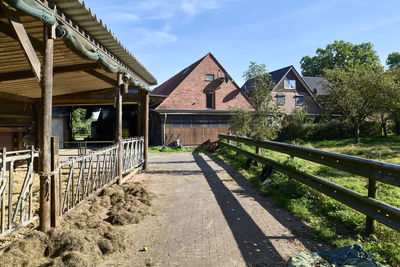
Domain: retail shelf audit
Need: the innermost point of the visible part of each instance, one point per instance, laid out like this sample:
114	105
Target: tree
386	99
240	121
339	55
80	125
265	122
393	60
354	92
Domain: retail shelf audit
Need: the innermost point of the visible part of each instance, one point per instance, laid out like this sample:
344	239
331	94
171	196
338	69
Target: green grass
165	149
333	222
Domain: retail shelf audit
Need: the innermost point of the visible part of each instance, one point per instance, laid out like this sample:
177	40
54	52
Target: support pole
55	190
146	130
45	130
140	113
119	125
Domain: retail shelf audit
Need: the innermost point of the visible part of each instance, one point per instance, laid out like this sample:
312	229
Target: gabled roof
168	86
277	75
317	83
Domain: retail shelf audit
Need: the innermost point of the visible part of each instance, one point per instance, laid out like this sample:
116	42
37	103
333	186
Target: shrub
331	130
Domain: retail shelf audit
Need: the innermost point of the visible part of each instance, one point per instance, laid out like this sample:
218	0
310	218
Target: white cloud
154	37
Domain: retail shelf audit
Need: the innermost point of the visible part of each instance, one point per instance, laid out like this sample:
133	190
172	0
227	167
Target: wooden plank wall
193	136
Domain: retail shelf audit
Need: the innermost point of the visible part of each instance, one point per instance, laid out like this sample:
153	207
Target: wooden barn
194	105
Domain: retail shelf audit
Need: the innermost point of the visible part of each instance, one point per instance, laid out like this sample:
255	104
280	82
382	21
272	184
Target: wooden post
45	130
120	84
146	130
55	204
140	113
370	222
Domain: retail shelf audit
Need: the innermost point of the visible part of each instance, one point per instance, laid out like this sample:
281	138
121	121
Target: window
209	77
210	100
290	84
280	100
299	100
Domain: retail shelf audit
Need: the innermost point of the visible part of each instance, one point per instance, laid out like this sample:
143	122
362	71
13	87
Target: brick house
194	105
291	92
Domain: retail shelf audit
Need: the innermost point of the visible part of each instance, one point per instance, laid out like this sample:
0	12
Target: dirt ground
88	234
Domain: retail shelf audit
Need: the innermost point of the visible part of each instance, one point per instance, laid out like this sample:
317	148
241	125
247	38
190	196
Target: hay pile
88	234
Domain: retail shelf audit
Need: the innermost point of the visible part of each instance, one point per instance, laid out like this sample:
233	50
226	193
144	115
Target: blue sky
169	35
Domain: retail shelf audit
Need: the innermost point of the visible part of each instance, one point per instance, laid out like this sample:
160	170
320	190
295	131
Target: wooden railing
72	181
373	170
16	211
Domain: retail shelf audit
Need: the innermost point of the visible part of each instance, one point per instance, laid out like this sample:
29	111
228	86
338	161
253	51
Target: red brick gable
190	93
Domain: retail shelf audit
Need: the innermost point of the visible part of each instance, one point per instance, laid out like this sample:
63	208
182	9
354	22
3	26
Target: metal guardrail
16	213
375	170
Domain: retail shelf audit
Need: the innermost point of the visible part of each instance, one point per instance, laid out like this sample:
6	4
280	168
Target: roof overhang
86	54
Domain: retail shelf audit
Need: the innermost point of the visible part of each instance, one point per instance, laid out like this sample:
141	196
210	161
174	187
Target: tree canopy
393	60
339	55
357	93
264	123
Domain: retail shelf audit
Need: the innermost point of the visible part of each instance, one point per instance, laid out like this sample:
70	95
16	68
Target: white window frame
209	79
287	84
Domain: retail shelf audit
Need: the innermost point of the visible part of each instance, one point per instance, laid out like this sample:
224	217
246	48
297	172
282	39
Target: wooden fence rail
72	182
374	170
16	212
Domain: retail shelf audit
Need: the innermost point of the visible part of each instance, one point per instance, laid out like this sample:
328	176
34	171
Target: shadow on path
302	232
254	246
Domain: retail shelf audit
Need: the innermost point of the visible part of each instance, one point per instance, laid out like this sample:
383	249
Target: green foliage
264	124
333	222
339	55
354	92
80	125
240	121
393	60
330	130
165	149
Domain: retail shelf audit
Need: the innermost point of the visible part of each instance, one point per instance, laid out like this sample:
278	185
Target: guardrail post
370	222
55	198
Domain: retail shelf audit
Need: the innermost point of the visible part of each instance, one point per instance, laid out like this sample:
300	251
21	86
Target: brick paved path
206	214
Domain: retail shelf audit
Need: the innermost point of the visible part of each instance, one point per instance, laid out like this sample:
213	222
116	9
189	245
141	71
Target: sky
166	36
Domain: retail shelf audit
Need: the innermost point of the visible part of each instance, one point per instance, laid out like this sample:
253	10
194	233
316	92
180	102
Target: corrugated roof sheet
83	17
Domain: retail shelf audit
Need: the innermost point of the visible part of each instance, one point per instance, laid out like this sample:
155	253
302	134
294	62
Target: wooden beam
119	125
8	30
27	74
90	102
140	113
102	77
85	94
146	130
11	129
45	130
17	98
27	46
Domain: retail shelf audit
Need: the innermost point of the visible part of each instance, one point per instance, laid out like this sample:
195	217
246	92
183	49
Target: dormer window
209	77
290	84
